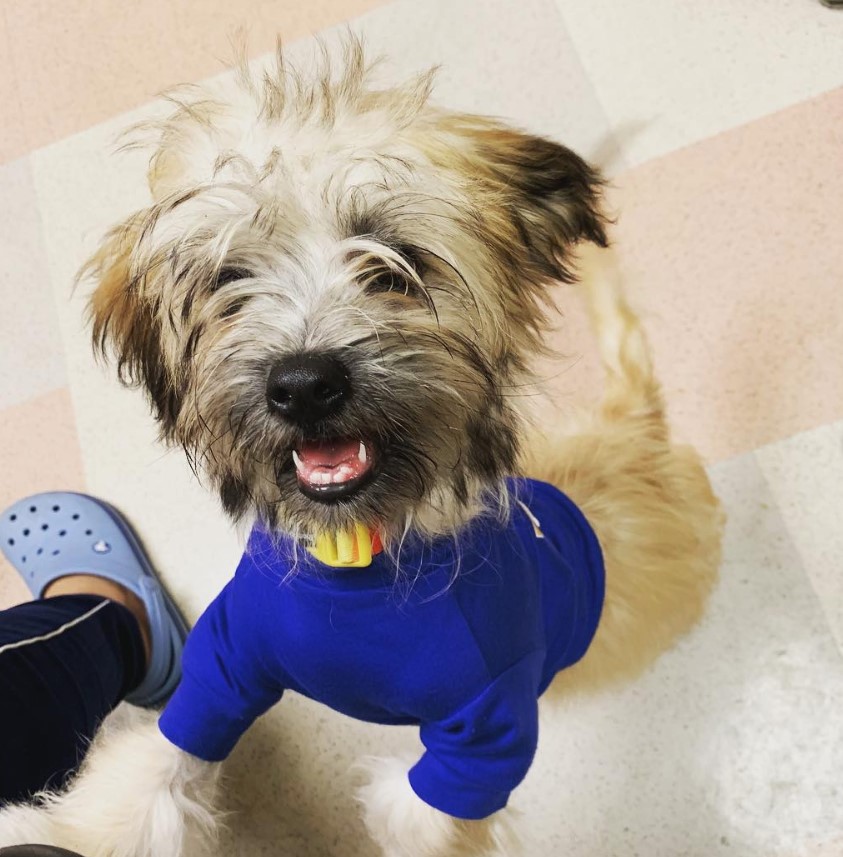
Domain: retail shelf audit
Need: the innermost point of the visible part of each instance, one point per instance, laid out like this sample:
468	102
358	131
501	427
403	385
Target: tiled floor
726	120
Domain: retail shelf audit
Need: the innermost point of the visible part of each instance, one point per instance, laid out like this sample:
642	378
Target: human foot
90	584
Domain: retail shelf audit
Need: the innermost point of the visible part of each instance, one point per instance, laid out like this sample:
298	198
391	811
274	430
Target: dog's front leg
403	825
137	795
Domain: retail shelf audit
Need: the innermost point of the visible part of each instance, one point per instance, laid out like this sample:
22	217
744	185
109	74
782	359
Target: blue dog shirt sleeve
478	755
224	686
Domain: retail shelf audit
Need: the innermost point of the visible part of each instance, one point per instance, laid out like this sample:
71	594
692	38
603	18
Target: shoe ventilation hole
11	541
56	552
26	532
55	508
40	551
23	559
89	532
13	517
45	526
62	532
75	516
33	508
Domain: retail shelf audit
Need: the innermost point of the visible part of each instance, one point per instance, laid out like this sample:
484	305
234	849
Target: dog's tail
631	385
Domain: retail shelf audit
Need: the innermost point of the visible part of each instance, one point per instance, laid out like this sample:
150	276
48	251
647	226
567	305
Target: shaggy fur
412	244
417	247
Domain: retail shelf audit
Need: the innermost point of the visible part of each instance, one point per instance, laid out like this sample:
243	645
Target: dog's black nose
306	388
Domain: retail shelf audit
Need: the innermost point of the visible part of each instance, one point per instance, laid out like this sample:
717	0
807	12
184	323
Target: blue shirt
462	642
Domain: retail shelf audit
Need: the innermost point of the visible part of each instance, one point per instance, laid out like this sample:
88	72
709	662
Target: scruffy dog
333	302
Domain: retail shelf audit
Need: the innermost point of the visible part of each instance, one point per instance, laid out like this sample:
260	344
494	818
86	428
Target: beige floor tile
804	473
672	72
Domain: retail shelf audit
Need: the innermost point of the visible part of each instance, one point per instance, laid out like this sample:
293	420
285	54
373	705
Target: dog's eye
231	274
412	257
234	307
390	280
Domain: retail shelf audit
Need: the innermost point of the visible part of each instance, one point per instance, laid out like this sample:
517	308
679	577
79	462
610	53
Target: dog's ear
125	323
552	196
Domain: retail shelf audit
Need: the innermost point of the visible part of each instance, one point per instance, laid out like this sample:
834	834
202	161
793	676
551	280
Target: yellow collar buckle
350	548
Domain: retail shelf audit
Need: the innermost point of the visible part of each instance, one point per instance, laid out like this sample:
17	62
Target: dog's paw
403	825
397	819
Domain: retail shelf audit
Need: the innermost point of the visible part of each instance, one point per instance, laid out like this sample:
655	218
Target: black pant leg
65	663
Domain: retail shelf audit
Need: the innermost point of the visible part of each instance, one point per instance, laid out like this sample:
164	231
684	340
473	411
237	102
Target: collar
351	548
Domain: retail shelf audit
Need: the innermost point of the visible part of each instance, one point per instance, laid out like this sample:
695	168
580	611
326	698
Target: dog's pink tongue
329	453
331	462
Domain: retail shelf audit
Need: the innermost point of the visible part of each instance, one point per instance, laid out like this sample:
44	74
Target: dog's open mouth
329	470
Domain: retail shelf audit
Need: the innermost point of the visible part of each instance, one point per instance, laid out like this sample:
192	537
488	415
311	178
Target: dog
333	304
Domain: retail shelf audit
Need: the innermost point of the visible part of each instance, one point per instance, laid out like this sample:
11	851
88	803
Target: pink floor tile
76	64
732	247
32	358
39	451
12	135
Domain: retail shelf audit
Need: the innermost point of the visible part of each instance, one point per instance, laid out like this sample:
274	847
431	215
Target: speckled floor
726	120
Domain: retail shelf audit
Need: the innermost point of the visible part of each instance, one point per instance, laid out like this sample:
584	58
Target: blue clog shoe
48	536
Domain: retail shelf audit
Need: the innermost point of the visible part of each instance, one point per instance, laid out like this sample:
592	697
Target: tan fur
650	501
113	302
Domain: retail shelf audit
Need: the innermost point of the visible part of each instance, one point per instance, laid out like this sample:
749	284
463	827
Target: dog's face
333	299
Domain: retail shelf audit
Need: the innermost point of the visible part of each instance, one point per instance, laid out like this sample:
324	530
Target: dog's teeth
361	453
297	460
342	474
321	477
